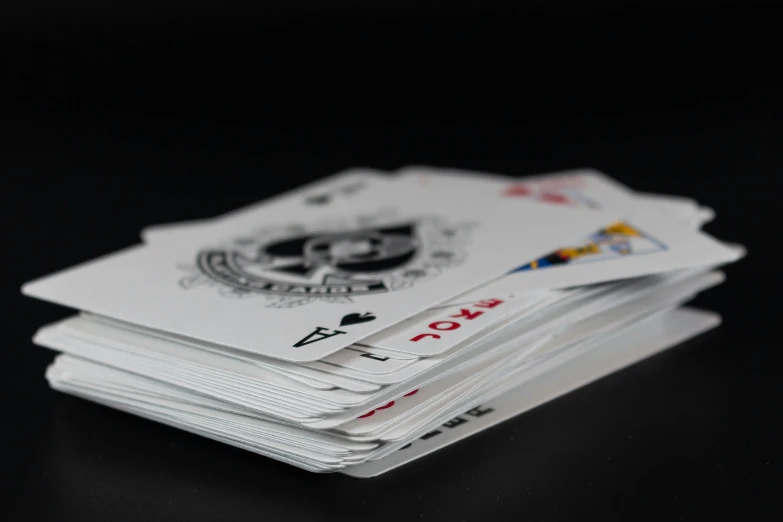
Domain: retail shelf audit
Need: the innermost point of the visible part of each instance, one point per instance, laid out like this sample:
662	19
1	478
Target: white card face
679	246
581	188
643	245
340	188
647	241
675	206
584	188
314	280
640	342
442	328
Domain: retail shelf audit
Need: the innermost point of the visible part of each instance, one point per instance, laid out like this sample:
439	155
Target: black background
119	116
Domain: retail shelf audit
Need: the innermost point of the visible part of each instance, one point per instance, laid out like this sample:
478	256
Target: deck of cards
368	319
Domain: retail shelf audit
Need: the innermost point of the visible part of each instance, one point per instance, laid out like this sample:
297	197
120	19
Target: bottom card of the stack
322	451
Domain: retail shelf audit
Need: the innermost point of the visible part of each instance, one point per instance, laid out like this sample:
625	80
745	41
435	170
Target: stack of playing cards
370	318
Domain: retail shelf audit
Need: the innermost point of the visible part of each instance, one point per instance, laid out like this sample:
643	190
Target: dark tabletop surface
153	113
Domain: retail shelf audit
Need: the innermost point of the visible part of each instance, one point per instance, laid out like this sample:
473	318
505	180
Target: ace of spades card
315	279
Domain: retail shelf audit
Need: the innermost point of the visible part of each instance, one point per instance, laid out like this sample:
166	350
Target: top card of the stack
299	282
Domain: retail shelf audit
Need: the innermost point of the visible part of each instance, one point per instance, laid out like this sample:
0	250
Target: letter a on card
319	334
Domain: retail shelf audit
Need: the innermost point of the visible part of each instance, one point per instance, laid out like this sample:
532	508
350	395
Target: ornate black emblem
295	266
